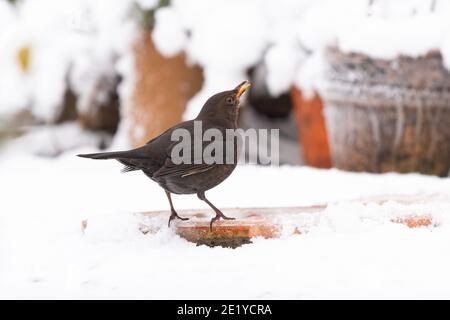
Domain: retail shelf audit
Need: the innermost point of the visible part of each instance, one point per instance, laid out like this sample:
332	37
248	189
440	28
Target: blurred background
359	85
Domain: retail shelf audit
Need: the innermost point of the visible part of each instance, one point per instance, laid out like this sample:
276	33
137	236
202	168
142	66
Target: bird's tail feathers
131	154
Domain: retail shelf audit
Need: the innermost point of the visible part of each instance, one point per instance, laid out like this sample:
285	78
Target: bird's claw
175	215
228	218
212	221
217	217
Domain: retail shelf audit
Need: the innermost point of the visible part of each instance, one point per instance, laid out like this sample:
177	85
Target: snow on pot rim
412	81
382	30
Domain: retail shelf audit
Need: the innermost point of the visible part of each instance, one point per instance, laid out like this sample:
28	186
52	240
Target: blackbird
155	159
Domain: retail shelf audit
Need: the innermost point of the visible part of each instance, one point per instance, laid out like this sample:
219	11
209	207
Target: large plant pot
311	129
388	115
162	88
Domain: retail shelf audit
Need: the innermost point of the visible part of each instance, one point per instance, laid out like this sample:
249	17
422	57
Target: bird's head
224	105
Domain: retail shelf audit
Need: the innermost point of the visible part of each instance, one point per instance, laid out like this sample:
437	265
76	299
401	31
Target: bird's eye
230	100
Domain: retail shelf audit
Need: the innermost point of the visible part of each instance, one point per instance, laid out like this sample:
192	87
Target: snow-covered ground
352	253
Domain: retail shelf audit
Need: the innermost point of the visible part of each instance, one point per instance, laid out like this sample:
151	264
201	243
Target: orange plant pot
162	89
312	129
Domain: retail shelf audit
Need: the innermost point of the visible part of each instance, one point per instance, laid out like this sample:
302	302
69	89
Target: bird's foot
219	215
175	215
227	218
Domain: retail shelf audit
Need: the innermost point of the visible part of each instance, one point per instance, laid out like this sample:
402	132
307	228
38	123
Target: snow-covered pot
311	129
388	115
162	88
98	110
259	97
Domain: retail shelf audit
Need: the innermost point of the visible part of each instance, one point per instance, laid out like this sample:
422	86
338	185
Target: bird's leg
173	214
219	214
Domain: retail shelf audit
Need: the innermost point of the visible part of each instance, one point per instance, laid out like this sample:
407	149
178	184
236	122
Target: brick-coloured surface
263	222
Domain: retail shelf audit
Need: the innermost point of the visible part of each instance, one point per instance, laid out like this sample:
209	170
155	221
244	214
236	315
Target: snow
310	75
226	49
279	60
385	30
147	4
79	35
228	37
286	35
168	33
365	33
216	42
82	41
355	251
126	67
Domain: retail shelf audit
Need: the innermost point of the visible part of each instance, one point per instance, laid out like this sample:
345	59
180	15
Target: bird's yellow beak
240	89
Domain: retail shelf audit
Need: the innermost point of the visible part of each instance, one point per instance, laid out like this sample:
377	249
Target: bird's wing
182	170
128	165
206	163
170	168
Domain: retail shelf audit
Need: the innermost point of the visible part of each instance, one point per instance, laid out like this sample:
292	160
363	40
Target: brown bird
156	160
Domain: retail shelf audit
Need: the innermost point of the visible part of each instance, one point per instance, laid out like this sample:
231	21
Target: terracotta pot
388	115
312	130
163	87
